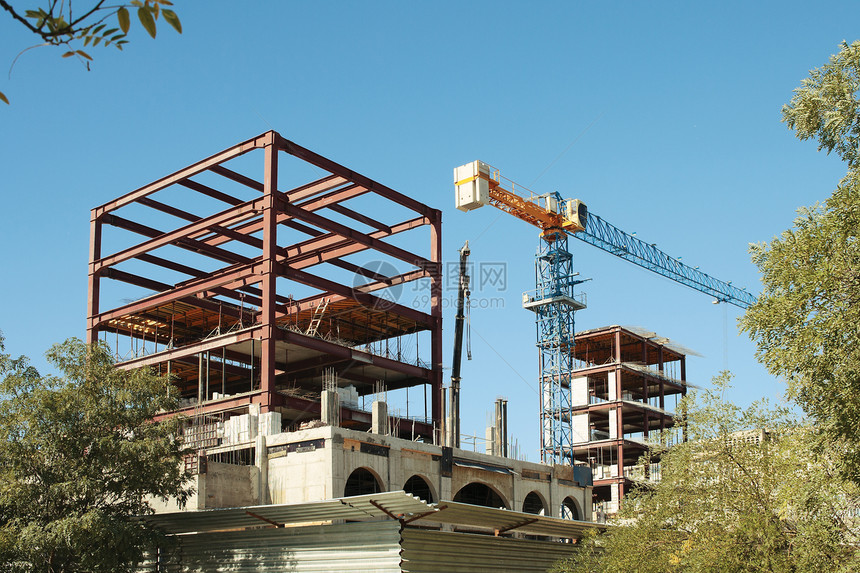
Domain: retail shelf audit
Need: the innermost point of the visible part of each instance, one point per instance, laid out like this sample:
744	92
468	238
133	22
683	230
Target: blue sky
664	117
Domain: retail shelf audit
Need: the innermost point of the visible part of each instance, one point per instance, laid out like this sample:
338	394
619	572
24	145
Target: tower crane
554	301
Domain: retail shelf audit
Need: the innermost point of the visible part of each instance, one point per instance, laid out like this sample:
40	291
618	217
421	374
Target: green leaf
96	42
87	40
98	28
3	98
83	54
137	3
124	22
171	18
117	37
146	20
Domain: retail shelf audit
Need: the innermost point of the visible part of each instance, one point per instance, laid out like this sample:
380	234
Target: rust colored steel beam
355	236
333	198
249	208
315	187
284	219
351	354
230	153
93	284
196	273
314	301
332	246
231	276
214	343
337	169
364	298
232	404
359	270
208	191
237	177
186	243
226	232
369	221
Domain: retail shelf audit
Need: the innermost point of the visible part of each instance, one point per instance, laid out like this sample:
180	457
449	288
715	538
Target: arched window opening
568	509
480	494
360	482
418	486
534	504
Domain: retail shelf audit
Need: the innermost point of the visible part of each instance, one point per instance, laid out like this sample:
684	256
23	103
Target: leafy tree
59	24
79	456
727	502
806	323
825	106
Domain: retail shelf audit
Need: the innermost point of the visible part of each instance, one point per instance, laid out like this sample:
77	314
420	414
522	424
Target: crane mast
554	301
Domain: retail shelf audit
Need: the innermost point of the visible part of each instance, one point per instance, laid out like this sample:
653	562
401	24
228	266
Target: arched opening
360	482
418	486
480	494
534	504
568	509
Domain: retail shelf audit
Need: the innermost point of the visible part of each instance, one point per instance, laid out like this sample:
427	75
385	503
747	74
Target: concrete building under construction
266	281
625	386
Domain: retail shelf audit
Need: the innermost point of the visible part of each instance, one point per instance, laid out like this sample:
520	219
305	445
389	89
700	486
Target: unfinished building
624	391
272	285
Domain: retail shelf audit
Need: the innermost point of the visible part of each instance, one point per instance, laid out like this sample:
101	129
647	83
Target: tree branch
18	17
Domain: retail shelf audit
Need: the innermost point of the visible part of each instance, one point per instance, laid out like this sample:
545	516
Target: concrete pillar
330	407
554	500
261	459
490	436
396	479
379	418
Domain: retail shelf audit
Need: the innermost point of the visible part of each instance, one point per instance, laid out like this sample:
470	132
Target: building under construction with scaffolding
268	282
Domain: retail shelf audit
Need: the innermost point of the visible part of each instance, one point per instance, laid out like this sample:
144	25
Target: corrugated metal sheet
360	547
357	507
463	514
442	552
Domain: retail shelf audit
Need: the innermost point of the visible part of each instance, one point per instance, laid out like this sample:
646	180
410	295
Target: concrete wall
228	485
315	464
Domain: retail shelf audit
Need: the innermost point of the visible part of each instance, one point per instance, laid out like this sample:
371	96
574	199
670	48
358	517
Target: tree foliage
806	323
79	456
825	106
63	24
729	503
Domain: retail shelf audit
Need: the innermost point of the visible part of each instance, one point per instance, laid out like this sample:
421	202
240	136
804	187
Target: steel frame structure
235	327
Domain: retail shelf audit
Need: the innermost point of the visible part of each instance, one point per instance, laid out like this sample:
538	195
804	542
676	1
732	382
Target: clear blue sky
664	117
